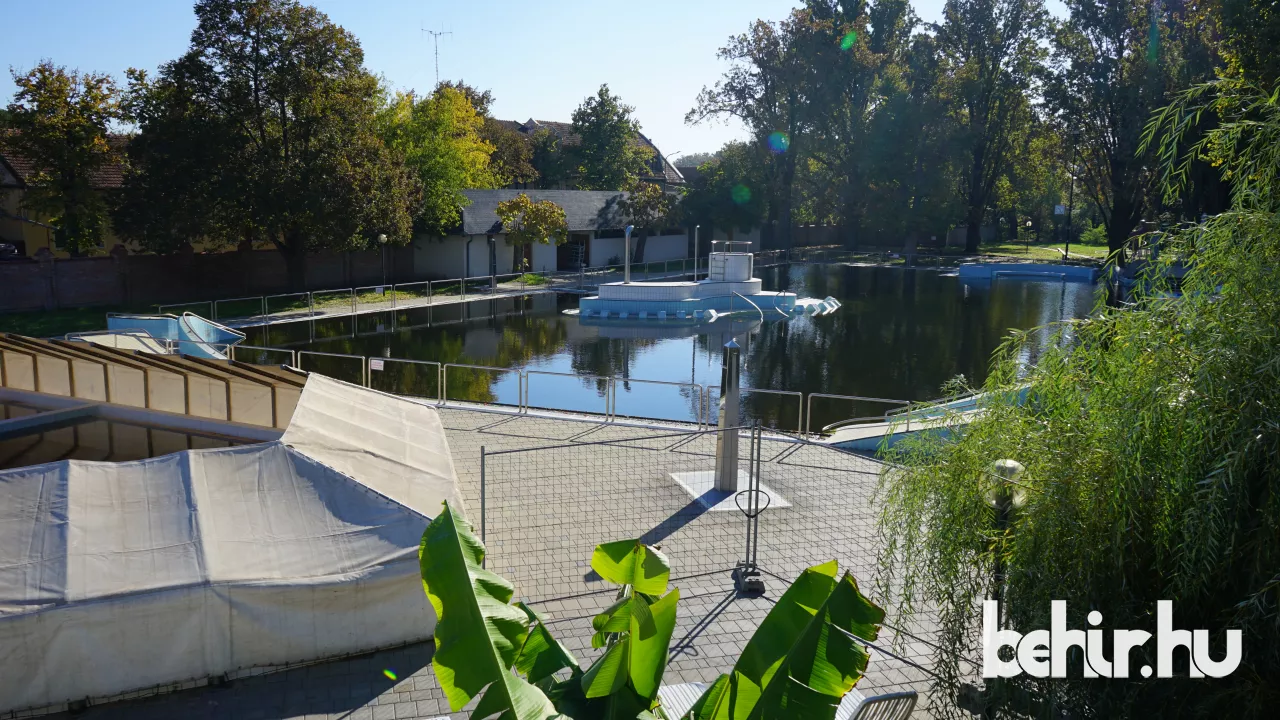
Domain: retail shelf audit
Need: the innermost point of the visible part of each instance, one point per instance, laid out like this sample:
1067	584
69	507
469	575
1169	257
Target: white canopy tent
116	577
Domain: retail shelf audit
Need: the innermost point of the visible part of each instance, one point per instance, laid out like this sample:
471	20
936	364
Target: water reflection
900	334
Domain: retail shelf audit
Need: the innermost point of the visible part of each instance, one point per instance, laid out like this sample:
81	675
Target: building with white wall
595	224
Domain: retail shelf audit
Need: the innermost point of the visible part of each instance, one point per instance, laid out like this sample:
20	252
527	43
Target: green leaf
478	635
803	658
542	655
650	638
609	673
630	562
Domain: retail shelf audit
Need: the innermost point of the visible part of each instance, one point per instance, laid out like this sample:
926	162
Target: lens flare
779	142
849	40
391	674
741	194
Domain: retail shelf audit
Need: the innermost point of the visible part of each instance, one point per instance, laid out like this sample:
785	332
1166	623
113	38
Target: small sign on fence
375	364
380	290
1059	210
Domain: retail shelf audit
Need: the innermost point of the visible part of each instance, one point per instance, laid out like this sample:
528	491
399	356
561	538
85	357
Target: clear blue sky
540	58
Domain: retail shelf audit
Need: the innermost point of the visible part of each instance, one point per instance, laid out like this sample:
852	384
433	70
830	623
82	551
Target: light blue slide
189	334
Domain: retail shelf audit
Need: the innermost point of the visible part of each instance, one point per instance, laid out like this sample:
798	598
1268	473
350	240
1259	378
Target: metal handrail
697	388
444	380
608	393
266	304
744	297
799	411
293	354
439	372
387	292
808	420
364	376
262	304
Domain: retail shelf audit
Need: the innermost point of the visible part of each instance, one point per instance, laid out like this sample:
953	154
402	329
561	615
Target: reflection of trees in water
607	357
899	335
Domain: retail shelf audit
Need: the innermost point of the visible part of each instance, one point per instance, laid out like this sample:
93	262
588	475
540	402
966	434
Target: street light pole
695	252
382	244
626	254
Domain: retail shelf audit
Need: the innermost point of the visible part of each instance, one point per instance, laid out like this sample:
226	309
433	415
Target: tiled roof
658	164
106	178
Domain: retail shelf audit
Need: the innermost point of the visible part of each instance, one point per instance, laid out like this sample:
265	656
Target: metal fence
541	511
376	298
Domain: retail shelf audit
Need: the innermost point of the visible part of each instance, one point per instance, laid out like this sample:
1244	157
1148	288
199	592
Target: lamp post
382	244
1028	237
695	252
626	254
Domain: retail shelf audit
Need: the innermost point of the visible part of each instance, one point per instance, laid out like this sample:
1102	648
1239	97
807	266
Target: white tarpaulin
123	576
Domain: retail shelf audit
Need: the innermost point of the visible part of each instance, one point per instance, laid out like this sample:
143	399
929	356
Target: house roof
585	210
661	168
108	177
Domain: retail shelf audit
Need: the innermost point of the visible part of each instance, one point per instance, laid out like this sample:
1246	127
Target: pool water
900	334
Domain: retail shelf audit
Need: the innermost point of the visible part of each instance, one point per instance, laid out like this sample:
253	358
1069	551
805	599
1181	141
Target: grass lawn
1045	252
55	323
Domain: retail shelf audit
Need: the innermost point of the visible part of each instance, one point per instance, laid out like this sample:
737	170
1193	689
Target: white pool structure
728	288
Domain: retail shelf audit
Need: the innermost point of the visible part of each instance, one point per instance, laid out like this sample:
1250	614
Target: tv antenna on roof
435	37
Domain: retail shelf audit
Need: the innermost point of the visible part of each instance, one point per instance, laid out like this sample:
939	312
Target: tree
729	192
696	159
765	88
487	647
1251	34
608	154
991	49
291	115
648	207
1150	451
549	160
1113	66
59	121
511	161
854	48
526	222
440	140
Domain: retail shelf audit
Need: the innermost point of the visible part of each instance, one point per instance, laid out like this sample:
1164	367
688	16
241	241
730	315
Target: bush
1094	235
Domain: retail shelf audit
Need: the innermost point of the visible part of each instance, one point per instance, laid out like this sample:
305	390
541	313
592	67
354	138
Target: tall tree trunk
973	230
977	203
638	256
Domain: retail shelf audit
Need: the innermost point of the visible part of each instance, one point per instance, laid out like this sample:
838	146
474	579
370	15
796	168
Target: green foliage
608	155
59	120
806	653
648	206
282	141
1151	447
526	222
441	139
729	193
479	635
803	658
1095	235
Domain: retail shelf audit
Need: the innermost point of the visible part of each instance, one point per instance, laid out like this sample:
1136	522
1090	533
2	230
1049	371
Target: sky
540	58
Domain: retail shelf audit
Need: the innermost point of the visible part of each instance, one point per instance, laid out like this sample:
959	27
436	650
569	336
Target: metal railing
444	380
379	365
293	354
698	390
609	393
854	398
364	367
259	300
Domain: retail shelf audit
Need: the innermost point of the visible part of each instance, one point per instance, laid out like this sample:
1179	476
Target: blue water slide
188	334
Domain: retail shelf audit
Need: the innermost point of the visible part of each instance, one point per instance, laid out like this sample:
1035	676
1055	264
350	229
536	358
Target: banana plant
799	664
804	657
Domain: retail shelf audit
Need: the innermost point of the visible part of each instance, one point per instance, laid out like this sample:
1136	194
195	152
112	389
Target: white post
695	252
726	475
626	254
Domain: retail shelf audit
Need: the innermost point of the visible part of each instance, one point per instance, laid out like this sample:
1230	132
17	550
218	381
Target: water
899	335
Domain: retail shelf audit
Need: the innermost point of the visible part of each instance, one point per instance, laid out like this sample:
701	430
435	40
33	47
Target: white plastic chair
677	699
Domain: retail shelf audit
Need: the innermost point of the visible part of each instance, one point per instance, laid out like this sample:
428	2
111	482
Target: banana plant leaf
803	658
479	635
631	562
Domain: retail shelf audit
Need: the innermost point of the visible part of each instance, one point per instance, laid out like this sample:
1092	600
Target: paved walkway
546	510
335	304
